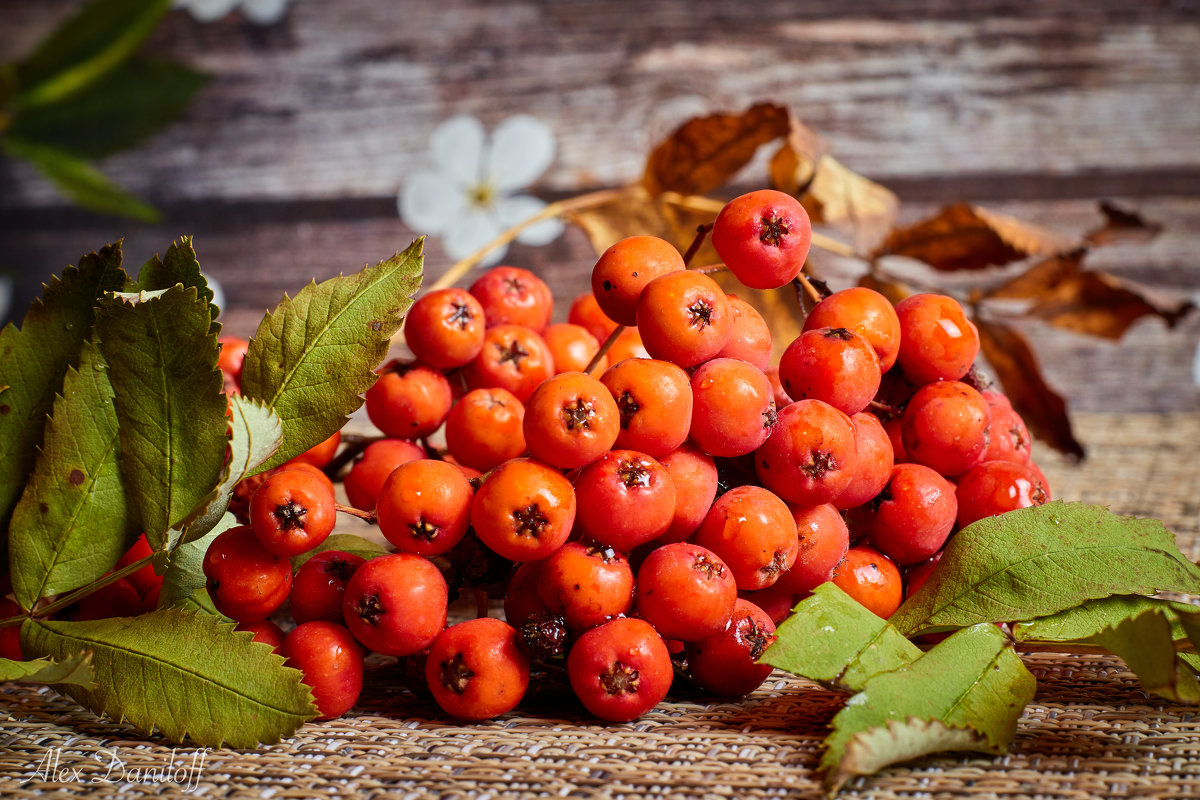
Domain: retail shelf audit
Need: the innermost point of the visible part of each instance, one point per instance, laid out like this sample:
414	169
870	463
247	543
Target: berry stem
481	603
809	289
702	232
354	446
99	583
604	348
366	516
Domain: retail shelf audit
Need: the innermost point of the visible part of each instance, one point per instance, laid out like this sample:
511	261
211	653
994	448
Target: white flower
262	12
470	198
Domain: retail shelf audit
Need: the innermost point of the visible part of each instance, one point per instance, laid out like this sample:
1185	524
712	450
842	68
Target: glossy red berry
913	515
572	348
994	487
486	428
823	540
117	599
945	427
571	420
444	329
425	507
1008	437
733	407
726	663
588	583
524	511
624	269
763	237
476	671
867	313
625	499
684	317
513	357
365	480
585	312
685	591
874	462
396	604
332	663
319	586
751	337
937	341
695	477
320	454
620	670
145	578
654	399
292	512
514	296
835	365
753	532
872	579
264	632
811	456
246	581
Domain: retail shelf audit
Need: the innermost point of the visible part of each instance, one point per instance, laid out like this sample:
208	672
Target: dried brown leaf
1042	277
1122	225
1099	304
967	237
636	213
891	289
1017	368
832	194
704	153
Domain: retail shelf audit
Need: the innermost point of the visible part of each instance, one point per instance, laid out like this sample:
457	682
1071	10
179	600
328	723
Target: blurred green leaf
132	102
102	35
82	183
74	669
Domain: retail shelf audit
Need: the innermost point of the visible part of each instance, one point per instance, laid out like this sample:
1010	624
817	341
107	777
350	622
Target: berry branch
365	516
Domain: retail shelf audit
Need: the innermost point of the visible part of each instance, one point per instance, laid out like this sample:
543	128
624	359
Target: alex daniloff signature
180	770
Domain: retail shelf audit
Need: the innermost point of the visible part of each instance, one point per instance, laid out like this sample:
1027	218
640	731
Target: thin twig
99	583
365	516
702	232
809	289
604	348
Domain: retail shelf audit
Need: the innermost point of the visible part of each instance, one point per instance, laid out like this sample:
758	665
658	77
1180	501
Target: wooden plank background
286	166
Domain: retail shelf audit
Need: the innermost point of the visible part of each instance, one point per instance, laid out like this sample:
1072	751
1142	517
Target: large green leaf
254	434
184	573
1146	644
1090	619
82	183
130	103
181	673
178	266
965	694
35	357
314	356
162	360
1038	561
102	35
833	639
70	526
74	669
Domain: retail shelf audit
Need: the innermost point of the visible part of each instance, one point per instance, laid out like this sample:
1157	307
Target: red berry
521	598
751	338
320	586
835	365
586	583
232	355
694	475
918	574
685	591
246	581
572	348
117	599
571	420
684	317
654	399
444	329
872	579
425	507
1008	438
733	407
264	632
763	237
914	514
292	512
514	296
823	540
486	428
625	499
726	663
620	670
945	427
408	400
10	637
476	671
320	454
513	357
145	578
524	511
753	532
629	344
810	457
332	663
396	604
937	341
585	312
994	487
365	480
625	268
875	461
867	313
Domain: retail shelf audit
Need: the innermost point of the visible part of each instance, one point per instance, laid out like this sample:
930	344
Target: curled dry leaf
1042	277
1100	304
893	290
1122	225
704	153
1017	368
637	213
967	237
831	193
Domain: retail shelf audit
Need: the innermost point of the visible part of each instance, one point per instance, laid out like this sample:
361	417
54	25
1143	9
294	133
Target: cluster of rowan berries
651	507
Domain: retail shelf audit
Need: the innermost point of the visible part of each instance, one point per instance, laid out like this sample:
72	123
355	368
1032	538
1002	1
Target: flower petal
517	209
471	231
430	201
457	148
210	10
265	12
522	148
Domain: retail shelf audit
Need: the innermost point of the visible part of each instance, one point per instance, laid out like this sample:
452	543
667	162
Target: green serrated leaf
833	639
128	104
184	573
82	183
1146	644
1090	619
178	266
1038	561
183	674
34	359
255	432
347	543
74	669
965	694
201	601
70	526
314	356
102	35
162	360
